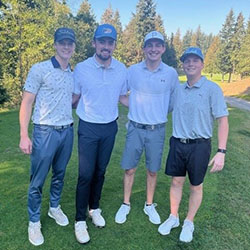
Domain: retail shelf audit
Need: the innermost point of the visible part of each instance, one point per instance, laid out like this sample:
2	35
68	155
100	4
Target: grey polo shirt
100	89
53	88
150	92
196	108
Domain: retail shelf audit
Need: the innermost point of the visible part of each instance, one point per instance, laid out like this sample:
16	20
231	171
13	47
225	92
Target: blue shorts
140	138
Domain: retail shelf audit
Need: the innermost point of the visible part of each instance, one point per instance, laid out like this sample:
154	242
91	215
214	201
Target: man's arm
124	100
219	158
24	118
75	100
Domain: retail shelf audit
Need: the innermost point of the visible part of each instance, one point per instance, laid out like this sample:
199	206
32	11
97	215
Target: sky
183	14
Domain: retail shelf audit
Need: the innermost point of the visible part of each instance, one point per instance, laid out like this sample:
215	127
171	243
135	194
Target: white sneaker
152	213
187	231
35	234
166	226
58	215
81	232
121	215
97	218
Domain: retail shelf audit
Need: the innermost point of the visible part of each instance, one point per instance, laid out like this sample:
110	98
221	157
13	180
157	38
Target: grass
223	221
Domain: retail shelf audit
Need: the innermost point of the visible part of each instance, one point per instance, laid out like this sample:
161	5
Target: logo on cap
107	31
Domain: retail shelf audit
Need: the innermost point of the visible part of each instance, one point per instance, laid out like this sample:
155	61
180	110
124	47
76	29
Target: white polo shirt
53	88
150	92
100	89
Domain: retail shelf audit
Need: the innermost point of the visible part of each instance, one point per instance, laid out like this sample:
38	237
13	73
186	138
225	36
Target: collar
57	65
160	67
98	65
197	84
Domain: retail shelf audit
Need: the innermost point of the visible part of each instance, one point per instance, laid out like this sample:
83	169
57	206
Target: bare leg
176	194
195	199
151	184
128	184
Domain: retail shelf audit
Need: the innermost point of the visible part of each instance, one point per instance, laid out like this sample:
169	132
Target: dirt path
238	103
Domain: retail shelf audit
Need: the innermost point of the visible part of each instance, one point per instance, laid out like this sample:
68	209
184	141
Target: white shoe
81	232
152	213
97	218
35	234
58	215
121	215
167	225
187	231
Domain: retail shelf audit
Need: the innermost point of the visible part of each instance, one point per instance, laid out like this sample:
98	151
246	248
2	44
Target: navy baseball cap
105	30
192	51
64	33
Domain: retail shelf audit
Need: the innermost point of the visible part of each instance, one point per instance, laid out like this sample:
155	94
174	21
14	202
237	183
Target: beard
103	58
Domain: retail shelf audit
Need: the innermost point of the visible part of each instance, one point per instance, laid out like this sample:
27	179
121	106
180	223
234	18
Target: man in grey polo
50	85
198	102
100	81
151	84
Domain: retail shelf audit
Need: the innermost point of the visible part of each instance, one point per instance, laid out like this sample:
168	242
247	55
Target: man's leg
151	184
59	165
195	200
128	184
176	194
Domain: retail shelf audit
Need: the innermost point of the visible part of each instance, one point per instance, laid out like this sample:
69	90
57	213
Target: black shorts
192	157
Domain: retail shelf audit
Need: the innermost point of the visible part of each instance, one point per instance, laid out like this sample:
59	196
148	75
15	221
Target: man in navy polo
151	84
50	85
198	103
99	83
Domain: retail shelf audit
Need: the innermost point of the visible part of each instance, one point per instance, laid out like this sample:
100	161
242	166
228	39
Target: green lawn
223	221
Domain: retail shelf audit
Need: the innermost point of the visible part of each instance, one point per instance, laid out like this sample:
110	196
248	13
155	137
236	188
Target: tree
243	67
237	39
177	45
186	41
210	62
226	46
113	18
142	22
25	39
84	26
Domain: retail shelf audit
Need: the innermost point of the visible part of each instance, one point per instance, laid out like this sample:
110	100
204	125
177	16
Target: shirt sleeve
77	77
175	86
34	79
124	89
218	104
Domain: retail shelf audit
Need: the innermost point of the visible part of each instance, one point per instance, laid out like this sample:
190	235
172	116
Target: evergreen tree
186	41
177	45
226	46
142	22
243	67
237	39
84	26
210	62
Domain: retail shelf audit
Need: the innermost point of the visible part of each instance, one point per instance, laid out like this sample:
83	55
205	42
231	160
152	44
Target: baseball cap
105	30
192	51
153	35
64	33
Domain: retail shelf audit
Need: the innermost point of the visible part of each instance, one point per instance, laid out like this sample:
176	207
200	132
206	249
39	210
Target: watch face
222	150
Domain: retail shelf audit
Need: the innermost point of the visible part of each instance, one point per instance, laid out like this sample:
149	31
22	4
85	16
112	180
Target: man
197	104
50	85
151	84
99	82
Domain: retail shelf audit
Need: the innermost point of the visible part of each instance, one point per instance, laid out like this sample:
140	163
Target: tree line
27	28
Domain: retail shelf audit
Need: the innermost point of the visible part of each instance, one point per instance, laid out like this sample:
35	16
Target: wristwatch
222	150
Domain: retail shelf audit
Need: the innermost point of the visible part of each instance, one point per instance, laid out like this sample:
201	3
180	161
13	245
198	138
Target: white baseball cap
153	35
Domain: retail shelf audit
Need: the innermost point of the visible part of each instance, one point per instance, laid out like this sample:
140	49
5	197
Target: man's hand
217	162
25	145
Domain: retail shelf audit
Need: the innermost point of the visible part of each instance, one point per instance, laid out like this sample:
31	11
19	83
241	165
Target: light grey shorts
138	139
